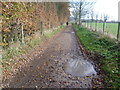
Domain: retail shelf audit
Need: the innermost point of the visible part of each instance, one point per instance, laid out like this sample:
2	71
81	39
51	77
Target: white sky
109	7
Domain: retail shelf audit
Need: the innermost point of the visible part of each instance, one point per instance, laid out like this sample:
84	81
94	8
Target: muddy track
46	70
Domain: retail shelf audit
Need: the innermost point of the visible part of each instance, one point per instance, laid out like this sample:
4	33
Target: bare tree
105	17
83	7
75	14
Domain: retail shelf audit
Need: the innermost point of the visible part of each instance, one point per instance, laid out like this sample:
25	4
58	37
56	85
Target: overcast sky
109	7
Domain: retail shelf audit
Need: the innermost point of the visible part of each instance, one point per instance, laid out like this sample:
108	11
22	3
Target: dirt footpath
46	70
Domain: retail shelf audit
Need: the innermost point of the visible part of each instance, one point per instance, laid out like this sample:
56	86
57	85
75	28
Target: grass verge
108	54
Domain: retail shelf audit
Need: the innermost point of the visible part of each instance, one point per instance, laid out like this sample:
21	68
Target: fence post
22	32
91	24
96	25
86	23
103	27
118	33
41	28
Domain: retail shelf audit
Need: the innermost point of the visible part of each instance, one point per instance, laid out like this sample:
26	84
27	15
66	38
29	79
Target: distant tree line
84	9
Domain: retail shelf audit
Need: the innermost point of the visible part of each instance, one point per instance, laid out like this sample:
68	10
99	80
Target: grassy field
107	54
110	28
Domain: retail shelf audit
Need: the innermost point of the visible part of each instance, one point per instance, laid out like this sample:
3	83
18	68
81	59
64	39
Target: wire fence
110	29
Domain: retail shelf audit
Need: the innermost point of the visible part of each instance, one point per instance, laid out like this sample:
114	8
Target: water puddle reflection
79	68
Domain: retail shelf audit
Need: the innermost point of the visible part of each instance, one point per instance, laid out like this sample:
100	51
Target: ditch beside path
47	69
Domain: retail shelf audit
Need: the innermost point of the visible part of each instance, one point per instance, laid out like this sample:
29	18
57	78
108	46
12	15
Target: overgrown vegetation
20	19
9	54
108	54
26	24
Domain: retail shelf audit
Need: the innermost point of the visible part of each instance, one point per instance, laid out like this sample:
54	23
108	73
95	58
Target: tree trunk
79	19
80	14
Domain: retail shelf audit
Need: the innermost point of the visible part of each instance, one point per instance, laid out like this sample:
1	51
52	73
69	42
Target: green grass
110	28
9	54
108	54
49	34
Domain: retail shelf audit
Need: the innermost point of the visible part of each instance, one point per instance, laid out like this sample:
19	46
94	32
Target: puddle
79	68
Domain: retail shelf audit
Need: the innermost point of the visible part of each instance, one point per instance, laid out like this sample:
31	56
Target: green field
110	28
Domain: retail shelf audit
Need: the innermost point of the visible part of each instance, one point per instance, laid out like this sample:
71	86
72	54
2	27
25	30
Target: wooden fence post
118	33
103	27
86	23
22	32
96	25
41	28
91	24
